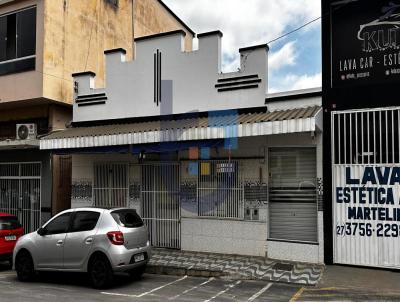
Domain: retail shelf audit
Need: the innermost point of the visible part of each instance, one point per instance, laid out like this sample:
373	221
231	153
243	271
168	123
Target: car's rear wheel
100	272
24	266
137	273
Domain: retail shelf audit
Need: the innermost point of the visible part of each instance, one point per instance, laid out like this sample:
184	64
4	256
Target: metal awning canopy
19	144
215	126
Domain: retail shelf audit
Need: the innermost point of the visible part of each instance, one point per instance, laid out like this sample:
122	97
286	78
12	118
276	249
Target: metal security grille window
293	194
220	190
20	185
111	185
366	137
18	41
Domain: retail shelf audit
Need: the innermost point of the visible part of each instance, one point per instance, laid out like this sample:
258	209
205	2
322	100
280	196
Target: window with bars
366	137
220	190
111	185
18	41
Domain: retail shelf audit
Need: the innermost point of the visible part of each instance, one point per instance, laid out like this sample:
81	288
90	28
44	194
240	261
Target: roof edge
254	47
168	33
114	50
177	18
292	95
84	73
210	33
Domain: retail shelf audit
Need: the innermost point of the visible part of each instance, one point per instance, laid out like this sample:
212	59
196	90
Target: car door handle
60	242
89	241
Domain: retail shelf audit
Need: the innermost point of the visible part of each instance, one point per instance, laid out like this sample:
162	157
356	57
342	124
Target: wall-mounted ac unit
26	131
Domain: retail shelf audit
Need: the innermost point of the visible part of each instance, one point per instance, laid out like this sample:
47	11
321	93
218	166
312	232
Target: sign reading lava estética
365	42
367	214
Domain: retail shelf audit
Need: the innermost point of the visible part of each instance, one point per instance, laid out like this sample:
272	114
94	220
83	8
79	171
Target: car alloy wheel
100	272
24	267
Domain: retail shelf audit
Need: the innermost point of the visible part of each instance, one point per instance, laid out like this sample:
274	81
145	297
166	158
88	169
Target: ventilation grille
91	99
238	83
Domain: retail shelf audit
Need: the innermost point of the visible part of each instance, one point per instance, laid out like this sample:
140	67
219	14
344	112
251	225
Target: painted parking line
192	288
260	292
297	295
57	288
230	286
145	293
5	275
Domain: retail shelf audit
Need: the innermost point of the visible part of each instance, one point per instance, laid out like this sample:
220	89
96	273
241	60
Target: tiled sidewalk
237	267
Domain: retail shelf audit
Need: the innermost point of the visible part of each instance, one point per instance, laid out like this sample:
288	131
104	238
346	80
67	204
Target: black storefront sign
365	41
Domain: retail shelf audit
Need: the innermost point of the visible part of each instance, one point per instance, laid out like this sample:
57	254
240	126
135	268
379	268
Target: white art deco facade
210	161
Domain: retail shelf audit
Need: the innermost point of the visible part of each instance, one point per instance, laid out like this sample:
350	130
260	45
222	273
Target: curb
180	271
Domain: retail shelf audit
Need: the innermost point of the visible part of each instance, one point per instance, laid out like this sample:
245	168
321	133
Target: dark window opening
127	218
9	223
84	221
8	129
59	225
113	2
18	41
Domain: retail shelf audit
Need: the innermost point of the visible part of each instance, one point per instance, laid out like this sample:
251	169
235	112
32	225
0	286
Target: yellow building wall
76	33
152	18
71	36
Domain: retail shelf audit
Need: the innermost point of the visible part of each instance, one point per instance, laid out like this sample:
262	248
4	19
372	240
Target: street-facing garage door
292	194
366	183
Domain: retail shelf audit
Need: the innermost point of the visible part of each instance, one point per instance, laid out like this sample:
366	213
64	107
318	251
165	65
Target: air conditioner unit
26	131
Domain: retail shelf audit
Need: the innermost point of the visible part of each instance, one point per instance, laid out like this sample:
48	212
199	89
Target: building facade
42	42
210	161
361	132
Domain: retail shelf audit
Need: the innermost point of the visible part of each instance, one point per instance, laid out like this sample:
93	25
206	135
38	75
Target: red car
10	231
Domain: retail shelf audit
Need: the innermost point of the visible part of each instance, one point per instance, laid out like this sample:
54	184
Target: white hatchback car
93	240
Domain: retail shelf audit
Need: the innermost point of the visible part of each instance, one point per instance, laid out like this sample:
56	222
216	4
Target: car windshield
127	218
9	223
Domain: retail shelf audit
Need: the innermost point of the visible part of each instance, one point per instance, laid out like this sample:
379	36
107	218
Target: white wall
224	236
229	236
188	80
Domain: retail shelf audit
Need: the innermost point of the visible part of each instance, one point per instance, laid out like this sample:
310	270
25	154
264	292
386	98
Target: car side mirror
41	231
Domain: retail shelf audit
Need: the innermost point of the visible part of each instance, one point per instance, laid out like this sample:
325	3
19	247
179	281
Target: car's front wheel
100	272
24	266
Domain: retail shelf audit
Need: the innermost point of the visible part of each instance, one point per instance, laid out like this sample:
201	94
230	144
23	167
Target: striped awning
214	126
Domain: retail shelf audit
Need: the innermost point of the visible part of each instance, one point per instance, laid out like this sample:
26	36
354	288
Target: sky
294	61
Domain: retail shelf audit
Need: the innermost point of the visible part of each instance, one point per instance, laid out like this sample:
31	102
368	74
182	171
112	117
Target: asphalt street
59	287
74	287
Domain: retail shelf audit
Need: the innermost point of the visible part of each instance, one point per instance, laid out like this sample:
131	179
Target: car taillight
116	237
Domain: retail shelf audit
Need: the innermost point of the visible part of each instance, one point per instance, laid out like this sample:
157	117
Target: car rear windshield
9	223
127	218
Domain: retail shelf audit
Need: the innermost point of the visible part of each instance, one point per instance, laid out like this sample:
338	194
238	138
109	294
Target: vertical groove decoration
159	76
155	78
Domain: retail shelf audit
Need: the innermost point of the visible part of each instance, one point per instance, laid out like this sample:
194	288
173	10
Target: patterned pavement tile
237	266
